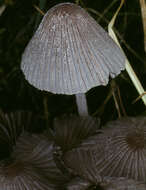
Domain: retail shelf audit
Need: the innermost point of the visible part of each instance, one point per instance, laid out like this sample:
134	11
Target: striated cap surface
124	149
70	53
19	175
118	151
38	152
71	130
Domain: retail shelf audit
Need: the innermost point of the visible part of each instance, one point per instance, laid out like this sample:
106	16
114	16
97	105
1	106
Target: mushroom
38	151
125	149
70	131
70	54
26	160
20	175
82	160
119	150
11	126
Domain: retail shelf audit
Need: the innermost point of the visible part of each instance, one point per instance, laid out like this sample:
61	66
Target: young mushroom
70	54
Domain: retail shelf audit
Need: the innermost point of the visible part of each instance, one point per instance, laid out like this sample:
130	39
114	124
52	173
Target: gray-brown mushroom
125	149
70	54
38	151
82	160
20	175
118	151
71	130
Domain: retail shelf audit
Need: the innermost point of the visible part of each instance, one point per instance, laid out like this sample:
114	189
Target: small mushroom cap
82	161
19	175
118	151
71	130
70	53
39	152
11	126
124	155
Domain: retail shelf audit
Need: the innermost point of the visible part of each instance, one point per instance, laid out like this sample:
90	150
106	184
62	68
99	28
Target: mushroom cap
39	153
125	149
70	53
19	175
82	161
11	126
71	130
119	151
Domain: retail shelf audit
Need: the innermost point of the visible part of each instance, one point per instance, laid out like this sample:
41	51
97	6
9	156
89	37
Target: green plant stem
129	69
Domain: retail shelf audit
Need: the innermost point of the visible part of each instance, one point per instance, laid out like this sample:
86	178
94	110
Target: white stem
82	104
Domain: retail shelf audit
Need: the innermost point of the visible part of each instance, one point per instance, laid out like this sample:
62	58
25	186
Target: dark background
17	24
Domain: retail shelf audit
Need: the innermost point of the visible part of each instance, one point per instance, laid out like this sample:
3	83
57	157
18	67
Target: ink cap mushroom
70	53
125	149
118	150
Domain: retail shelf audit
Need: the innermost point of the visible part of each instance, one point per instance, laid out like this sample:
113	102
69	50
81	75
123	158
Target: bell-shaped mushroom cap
111	183
124	143
39	153
16	175
70	53
70	131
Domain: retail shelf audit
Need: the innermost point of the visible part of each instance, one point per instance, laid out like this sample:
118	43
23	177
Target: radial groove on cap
16	175
11	126
82	163
124	149
118	151
82	160
70	53
71	130
38	152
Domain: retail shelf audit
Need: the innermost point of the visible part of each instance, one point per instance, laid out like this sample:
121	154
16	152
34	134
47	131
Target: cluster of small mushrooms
76	156
70	54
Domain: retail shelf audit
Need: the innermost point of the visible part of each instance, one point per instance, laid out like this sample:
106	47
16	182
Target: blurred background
19	19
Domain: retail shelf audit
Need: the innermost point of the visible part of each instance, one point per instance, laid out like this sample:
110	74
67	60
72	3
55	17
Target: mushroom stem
82	104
